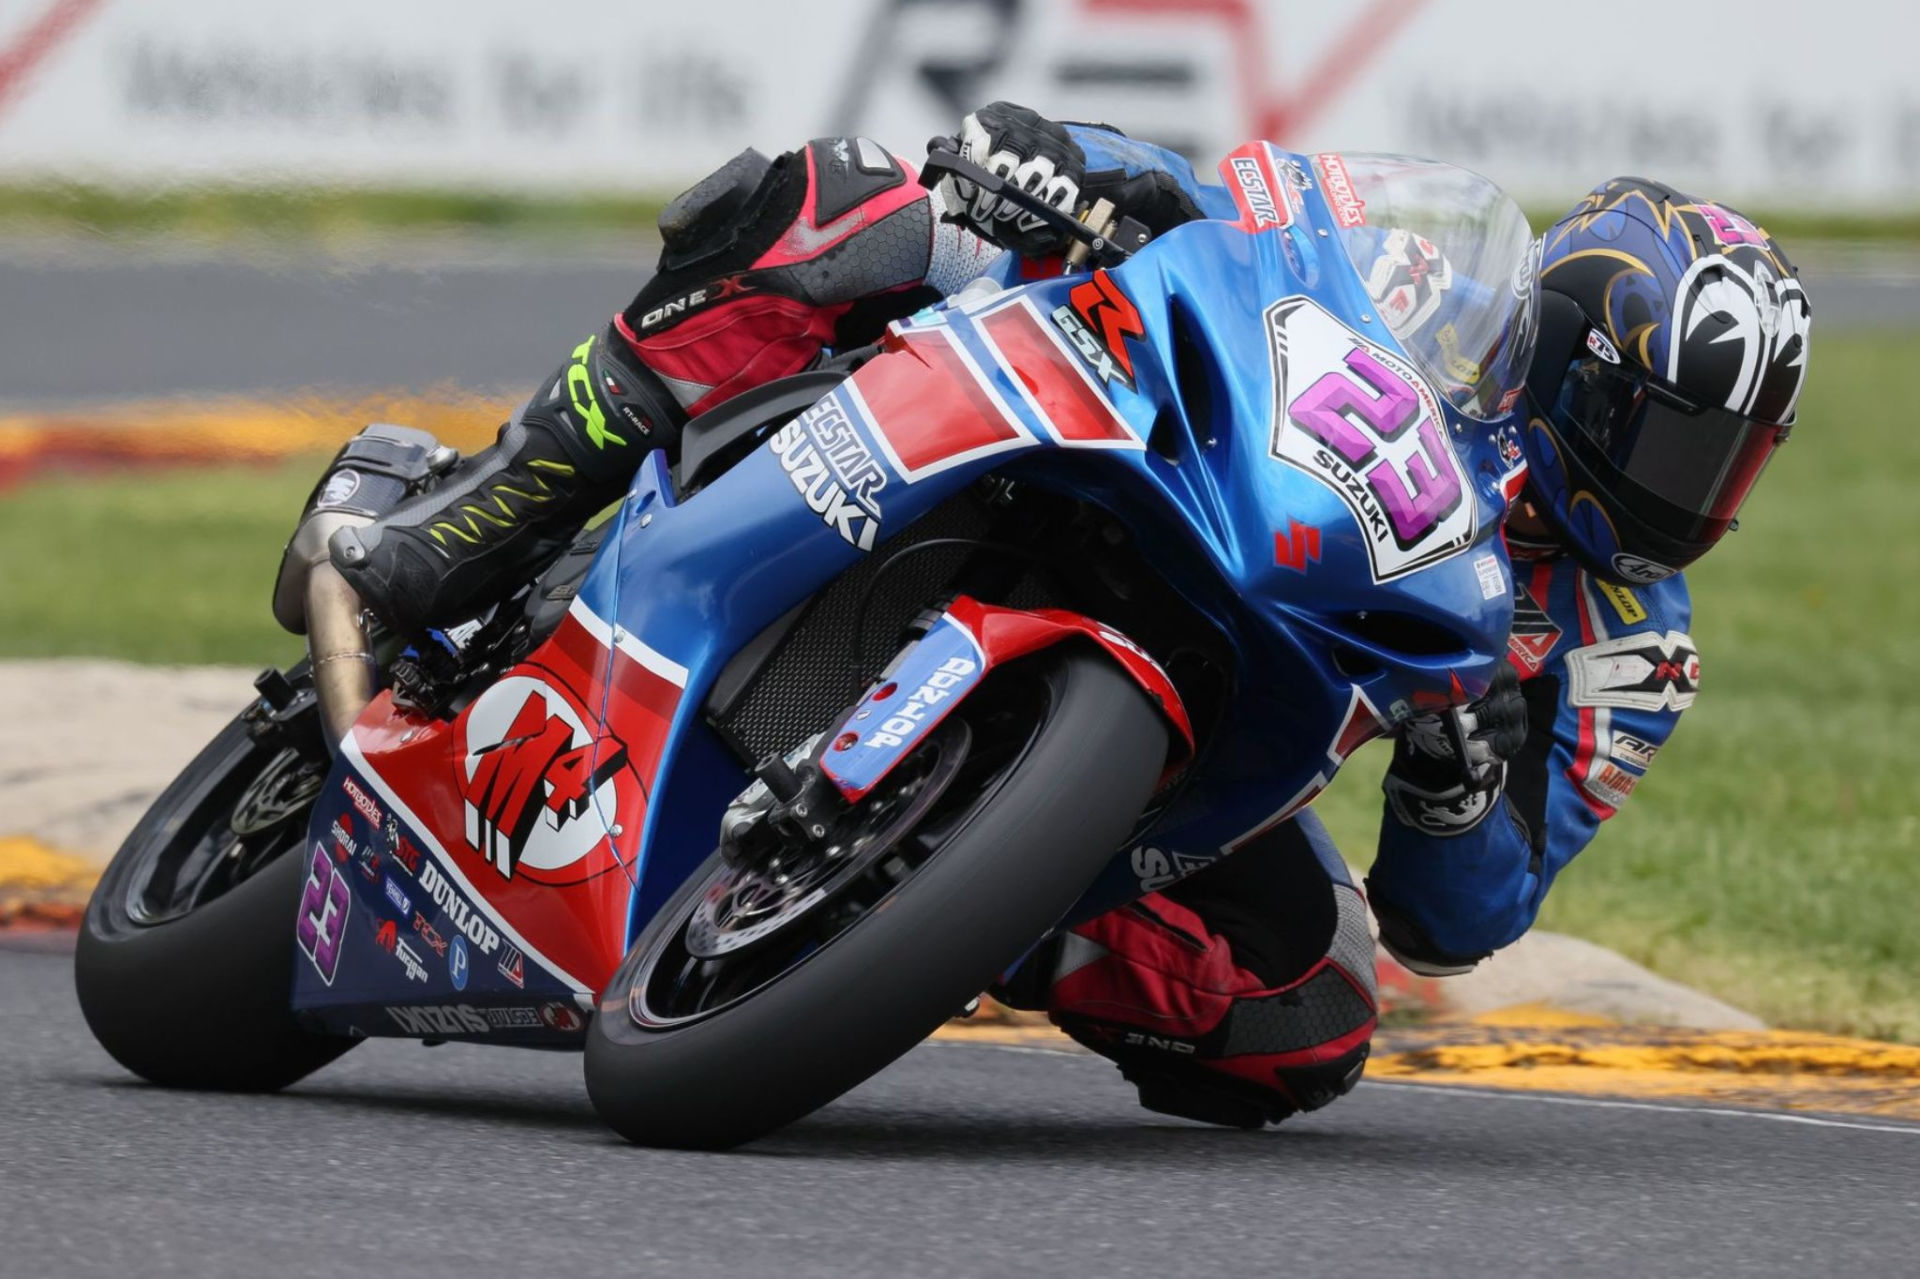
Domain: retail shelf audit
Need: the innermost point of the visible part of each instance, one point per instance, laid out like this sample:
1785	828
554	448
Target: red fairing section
518	793
1006	633
1166	974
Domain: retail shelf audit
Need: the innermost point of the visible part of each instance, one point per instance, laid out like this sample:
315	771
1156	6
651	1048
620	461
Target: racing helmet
1671	351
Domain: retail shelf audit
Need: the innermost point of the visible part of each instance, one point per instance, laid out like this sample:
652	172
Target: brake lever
944	159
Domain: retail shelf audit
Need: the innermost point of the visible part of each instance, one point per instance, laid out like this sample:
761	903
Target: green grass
214	213
161	566
1772	857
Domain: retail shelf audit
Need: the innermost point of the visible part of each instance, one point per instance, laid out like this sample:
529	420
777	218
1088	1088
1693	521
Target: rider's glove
1450	767
1036	155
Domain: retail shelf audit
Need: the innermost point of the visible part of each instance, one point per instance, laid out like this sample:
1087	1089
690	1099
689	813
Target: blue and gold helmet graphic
1672	351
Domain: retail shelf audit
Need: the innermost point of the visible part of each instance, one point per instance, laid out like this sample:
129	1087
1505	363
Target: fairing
1306	489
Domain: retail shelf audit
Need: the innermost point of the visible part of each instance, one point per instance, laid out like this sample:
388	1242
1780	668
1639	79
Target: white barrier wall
1774	103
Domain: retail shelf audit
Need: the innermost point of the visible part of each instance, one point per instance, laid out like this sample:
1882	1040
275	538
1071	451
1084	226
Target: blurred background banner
1766	102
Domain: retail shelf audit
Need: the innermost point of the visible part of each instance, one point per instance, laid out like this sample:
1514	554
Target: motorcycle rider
1672	347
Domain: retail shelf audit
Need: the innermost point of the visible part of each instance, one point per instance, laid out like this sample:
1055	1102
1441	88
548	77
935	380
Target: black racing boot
503	513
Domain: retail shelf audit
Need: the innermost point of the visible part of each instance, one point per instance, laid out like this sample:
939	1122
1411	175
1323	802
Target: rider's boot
448	553
763	264
1240	996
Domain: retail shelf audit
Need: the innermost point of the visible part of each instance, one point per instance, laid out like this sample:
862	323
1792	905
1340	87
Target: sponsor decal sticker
401	849
464	918
397	895
440	1020
1598	344
561	1017
1349	210
1493	582
911	716
1624	602
1098	319
1359	419
513	966
538	782
831	467
459	964
513	1018
363	803
1261	204
429	934
1644	672
1635	752
1611	785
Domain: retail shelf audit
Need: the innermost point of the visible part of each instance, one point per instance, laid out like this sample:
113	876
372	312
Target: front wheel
184	965
758	995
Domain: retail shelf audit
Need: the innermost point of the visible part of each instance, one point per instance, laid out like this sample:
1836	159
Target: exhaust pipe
373	473
344	674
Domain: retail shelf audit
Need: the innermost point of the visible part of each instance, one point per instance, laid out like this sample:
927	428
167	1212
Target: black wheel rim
250	811
672	985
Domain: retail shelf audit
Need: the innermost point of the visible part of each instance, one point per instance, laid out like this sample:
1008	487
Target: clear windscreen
1449	261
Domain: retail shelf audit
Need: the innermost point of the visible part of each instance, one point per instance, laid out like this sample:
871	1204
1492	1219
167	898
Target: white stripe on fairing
654	660
350	748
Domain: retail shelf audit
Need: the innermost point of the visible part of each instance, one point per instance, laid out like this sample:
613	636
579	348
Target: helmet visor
1701	460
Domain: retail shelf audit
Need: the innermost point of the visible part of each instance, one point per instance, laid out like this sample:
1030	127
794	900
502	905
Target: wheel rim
247	815
674	984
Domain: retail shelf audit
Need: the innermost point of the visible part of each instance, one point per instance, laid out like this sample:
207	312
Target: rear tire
1017	861
201	999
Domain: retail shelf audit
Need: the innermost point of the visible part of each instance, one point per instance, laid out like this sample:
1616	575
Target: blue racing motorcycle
1062	591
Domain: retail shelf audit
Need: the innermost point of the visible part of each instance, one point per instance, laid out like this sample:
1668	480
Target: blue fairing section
1107	150
1594	665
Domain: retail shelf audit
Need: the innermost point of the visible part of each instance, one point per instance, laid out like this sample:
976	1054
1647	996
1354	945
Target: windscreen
1449	261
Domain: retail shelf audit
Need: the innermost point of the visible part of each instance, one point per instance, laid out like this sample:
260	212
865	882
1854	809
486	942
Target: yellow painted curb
1782	1070
42	887
244	429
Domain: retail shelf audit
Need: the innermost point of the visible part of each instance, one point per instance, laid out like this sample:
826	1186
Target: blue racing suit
1605	671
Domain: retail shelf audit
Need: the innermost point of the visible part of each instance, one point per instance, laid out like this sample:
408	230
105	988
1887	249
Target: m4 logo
532	778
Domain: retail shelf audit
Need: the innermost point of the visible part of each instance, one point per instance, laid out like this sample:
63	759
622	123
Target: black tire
1020	859
201	999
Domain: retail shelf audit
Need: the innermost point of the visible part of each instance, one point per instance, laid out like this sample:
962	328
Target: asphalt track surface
400	1160
79	326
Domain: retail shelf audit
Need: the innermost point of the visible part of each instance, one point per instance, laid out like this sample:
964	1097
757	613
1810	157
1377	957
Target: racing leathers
1246	992
1605	671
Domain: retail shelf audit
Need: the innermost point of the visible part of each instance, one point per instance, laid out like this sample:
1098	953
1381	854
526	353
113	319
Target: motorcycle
1060	592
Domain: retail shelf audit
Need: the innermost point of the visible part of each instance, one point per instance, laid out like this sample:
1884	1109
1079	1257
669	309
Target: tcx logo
912	716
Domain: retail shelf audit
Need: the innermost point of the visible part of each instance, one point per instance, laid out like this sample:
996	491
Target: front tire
1035	837
184	965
